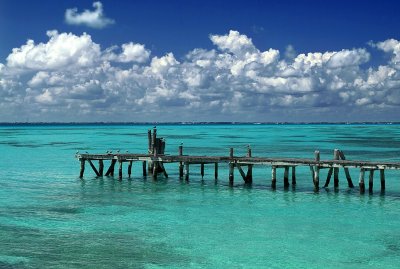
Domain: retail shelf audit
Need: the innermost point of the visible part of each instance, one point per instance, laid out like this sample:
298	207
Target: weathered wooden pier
153	165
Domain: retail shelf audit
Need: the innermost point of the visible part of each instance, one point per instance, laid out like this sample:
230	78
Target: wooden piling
249	176
187	171
149	138
371	180
361	181
346	170
110	171
180	153
101	167
273	177
286	177
328	177
202	170
317	158
94	168
382	174
215	171
120	170
144	168
82	171
231	167
293	175
130	169
336	170
155	170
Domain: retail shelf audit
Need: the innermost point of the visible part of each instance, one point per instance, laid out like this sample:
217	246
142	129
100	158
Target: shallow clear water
49	218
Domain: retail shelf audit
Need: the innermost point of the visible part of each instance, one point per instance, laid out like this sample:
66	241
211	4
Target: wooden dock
153	164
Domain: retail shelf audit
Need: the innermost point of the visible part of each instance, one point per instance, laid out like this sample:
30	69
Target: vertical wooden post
130	169
316	178
101	167
361	181
82	168
231	167
293	175
216	171
202	170
249	176
154	139
150	150
180	152
336	169
371	180
273	177
316	170
382	174
144	169
187	171
155	169
346	170
120	170
286	177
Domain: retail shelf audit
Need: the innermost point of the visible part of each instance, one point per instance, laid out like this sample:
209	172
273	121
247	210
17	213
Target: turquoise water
49	218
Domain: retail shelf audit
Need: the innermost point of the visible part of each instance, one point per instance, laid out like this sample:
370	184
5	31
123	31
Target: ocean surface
49	218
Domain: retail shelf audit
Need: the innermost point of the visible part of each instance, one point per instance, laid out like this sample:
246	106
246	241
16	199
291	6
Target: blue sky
199	60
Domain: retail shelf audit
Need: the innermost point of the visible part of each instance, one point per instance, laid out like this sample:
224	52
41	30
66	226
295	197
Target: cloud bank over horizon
71	78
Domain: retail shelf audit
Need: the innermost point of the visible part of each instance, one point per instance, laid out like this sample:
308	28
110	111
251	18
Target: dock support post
249	176
120	170
361	181
382	174
180	153
82	168
286	177
336	169
130	169
187	171
328	177
316	170
371	180
202	170
155	172
101	167
273	177
293	175
144	168
231	167
346	170
93	167
216	171
110	171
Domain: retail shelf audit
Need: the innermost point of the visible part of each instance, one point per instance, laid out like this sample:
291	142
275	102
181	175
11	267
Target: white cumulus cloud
94	19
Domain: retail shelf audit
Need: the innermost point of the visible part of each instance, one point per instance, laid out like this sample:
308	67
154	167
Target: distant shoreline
187	123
